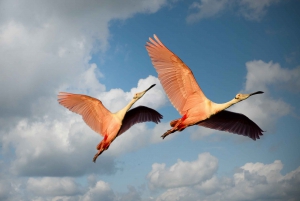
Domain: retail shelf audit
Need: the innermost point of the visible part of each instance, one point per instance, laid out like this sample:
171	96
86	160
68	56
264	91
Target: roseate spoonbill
109	125
187	97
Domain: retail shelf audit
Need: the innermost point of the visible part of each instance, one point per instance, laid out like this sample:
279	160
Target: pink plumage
187	97
110	125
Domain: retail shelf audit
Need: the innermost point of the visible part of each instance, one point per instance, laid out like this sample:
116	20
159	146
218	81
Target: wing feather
176	78
91	109
138	115
233	123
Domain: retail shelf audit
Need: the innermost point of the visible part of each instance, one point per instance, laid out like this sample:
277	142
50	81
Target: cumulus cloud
59	143
100	190
50	43
154	98
183	193
255	9
263	75
46	47
252	181
64	145
205	9
6	190
249	9
132	195
183	173
31	66
51	186
55	148
256	181
63	188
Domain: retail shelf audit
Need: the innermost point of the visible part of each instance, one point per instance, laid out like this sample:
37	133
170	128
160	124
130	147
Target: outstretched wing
176	78
91	109
138	115
233	123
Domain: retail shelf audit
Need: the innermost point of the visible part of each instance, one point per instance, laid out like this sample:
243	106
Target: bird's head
241	97
140	94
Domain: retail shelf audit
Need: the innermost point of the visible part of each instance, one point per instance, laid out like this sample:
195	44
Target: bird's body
187	97
109	125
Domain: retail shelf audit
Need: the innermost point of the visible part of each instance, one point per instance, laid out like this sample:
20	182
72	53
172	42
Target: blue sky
98	48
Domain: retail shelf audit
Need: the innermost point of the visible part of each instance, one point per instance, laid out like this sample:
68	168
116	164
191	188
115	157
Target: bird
186	96
101	120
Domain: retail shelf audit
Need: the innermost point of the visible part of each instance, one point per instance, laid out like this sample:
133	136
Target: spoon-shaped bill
258	92
150	87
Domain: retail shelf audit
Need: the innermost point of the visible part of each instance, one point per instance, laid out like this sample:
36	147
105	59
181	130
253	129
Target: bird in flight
109	125
187	97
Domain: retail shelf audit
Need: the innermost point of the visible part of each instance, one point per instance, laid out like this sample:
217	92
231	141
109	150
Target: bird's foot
96	155
167	133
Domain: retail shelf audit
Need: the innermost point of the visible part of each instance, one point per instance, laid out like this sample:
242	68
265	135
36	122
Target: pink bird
109	125
187	97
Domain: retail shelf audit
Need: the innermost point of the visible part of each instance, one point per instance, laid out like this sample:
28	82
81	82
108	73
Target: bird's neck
219	107
121	114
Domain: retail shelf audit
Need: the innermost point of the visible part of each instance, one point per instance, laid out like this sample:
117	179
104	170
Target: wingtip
158	41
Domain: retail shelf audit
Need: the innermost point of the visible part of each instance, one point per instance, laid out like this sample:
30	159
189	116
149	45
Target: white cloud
31	66
131	195
51	186
262	75
206	9
88	82
183	173
46	47
55	148
63	188
257	181
45	50
62	136
155	97
255	9
6	189
101	191
253	181
49	44
177	194
249	9
61	144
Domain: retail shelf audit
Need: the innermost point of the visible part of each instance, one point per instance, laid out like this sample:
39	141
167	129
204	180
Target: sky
97	48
